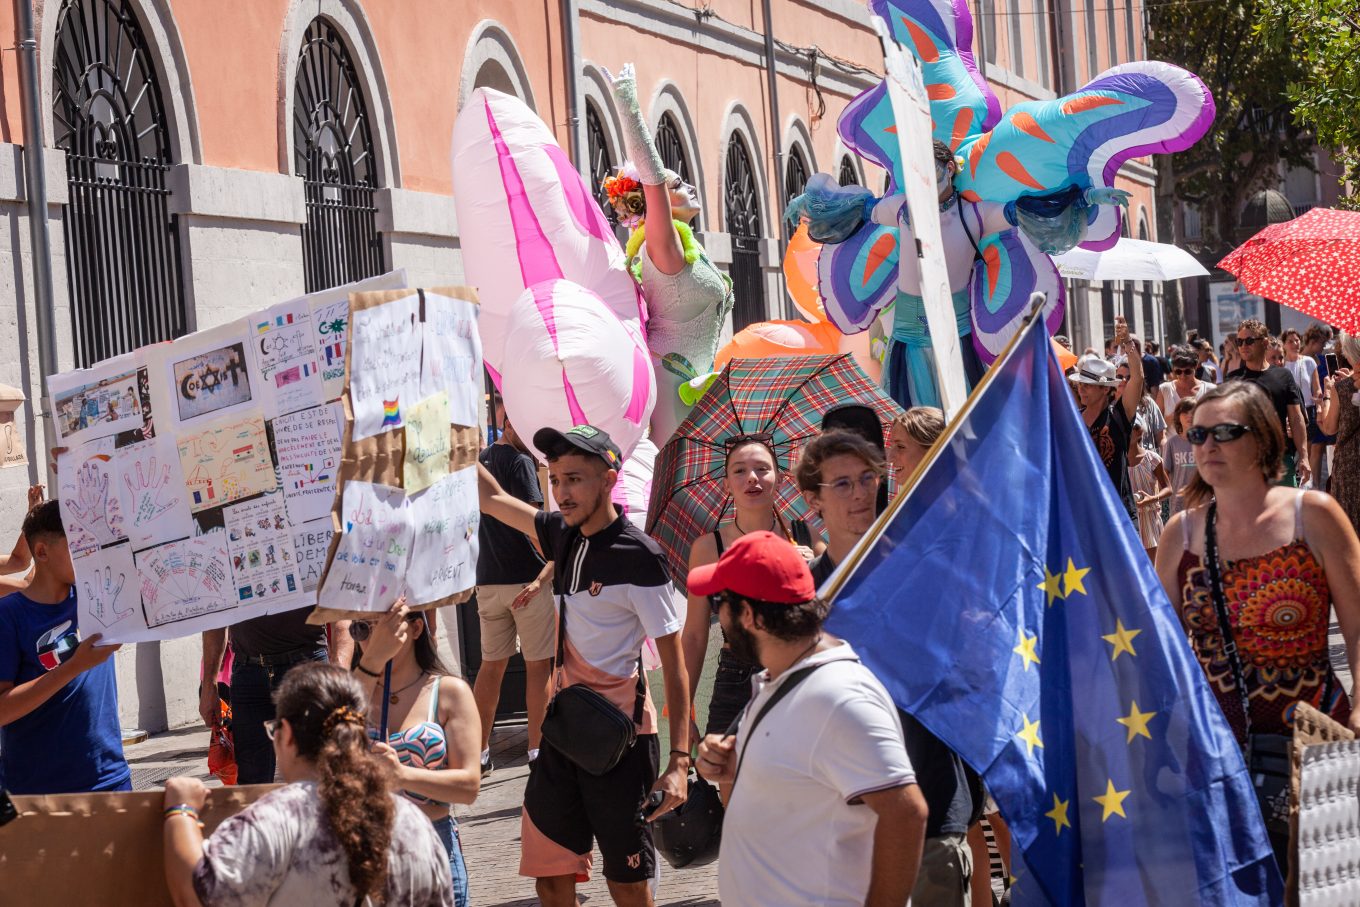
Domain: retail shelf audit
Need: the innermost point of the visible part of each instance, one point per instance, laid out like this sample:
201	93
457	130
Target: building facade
203	160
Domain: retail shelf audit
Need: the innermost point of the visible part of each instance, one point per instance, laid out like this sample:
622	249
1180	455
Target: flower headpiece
619	186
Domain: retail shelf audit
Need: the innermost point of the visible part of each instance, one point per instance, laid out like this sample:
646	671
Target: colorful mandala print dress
1280	607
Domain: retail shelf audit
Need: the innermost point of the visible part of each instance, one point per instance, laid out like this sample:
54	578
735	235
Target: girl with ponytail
336	833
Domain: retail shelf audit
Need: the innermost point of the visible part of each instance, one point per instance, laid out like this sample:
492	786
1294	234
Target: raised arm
498	503
663	242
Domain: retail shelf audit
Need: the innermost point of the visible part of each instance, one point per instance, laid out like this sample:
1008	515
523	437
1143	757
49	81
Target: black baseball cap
857	419
579	439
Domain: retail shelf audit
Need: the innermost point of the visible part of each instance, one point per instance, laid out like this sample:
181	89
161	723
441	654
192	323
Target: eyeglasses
1222	433
361	630
717	600
271	727
1122	377
1248	341
1182	371
845	487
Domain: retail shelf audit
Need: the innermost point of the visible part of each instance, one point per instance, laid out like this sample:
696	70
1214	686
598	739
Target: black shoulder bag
1268	755
584	726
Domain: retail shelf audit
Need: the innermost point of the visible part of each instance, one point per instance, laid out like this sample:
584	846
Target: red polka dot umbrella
1310	263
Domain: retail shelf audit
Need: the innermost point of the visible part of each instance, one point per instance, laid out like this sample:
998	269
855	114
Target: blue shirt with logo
72	742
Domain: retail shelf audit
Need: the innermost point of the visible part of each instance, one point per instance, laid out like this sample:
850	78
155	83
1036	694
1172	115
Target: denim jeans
447	829
252	704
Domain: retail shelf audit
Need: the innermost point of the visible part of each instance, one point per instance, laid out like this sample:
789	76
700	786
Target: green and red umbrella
784	397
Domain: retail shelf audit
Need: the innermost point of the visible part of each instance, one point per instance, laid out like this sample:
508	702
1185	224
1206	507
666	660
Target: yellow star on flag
1112	801
1059	814
1026	649
1121	639
1072	579
1137	722
1052	585
1030	734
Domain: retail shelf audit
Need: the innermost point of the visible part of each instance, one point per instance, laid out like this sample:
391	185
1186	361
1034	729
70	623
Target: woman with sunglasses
751	479
434	733
335	833
1270	562
1182	386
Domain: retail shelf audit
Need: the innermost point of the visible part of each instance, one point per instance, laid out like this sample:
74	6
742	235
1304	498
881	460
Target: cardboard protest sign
406	514
199	476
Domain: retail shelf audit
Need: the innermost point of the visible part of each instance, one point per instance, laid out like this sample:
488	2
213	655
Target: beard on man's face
741	640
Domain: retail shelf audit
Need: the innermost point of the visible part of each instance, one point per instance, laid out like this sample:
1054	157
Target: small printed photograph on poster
311	541
452	356
209	373
307	444
108	590
98	402
384	365
91	507
259	540
187	579
225	462
284	347
445	518
368	570
152	491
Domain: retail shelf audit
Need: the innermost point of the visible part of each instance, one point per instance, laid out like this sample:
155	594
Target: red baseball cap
759	565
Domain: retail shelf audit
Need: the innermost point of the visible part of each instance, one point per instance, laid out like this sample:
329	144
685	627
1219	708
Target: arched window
742	197
122	244
848	176
795	173
333	153
601	167
1148	313
672	150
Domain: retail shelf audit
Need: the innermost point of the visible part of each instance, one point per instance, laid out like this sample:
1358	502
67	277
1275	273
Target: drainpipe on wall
571	41
776	141
40	242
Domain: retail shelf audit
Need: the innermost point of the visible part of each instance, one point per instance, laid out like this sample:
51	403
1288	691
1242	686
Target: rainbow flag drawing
391	413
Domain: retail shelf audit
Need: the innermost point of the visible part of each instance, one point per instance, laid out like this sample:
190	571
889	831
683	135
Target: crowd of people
841	798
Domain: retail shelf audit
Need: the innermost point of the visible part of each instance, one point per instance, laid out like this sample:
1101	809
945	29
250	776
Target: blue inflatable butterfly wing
858	277
1082	139
1009	269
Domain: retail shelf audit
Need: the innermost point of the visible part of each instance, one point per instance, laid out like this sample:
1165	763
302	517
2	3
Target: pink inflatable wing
525	215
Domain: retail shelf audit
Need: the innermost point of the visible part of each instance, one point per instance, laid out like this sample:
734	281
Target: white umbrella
1130	259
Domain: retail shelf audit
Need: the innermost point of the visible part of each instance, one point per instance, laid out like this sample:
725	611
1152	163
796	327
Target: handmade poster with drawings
444	552
210	374
225	462
91	508
151	488
260	542
452	355
97	402
108	590
311	541
284	346
366	573
308	447
427	443
384	364
330	325
187	579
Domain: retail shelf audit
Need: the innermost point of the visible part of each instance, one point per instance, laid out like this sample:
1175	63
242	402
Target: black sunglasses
1248	341
1223	432
1182	371
361	630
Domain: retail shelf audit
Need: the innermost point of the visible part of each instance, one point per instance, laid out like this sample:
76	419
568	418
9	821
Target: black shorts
1315	435
569	809
731	691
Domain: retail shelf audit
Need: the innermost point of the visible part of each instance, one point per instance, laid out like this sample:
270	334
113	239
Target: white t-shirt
1303	369
791	836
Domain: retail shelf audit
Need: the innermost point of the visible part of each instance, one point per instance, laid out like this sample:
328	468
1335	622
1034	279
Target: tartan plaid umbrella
785	397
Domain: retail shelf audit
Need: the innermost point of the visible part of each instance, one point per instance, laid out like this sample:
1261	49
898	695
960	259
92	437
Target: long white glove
637	138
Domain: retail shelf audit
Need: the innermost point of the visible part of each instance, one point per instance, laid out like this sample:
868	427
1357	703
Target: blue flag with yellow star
1006	603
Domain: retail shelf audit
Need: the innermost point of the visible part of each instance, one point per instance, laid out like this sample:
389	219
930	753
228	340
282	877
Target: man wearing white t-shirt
824	806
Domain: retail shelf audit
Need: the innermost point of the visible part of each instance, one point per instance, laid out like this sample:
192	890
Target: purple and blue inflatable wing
1010	268
858	277
1082	139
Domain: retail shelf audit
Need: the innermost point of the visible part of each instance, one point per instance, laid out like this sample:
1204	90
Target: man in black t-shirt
1280	387
1108	414
514	594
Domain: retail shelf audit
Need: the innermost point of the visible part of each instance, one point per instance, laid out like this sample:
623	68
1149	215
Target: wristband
183	809
359	666
684	753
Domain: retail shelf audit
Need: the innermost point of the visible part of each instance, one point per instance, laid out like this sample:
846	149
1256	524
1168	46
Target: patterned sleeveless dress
1280	607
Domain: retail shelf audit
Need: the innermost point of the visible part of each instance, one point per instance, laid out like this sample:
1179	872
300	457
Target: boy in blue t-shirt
59	730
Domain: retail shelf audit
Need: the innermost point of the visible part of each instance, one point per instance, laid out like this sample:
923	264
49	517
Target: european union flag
1008	605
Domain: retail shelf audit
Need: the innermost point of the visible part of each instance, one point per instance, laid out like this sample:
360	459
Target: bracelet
684	753
183	809
359	666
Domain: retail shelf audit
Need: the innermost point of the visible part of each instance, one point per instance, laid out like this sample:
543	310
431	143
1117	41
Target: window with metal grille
122	244
849	176
743	225
601	165
672	150
333	153
1149	328
795	173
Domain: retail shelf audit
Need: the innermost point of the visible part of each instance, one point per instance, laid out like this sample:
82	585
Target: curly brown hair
324	705
833	443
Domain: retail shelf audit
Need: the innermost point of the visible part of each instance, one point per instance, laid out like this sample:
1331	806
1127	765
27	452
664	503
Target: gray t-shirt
1178	455
281	850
